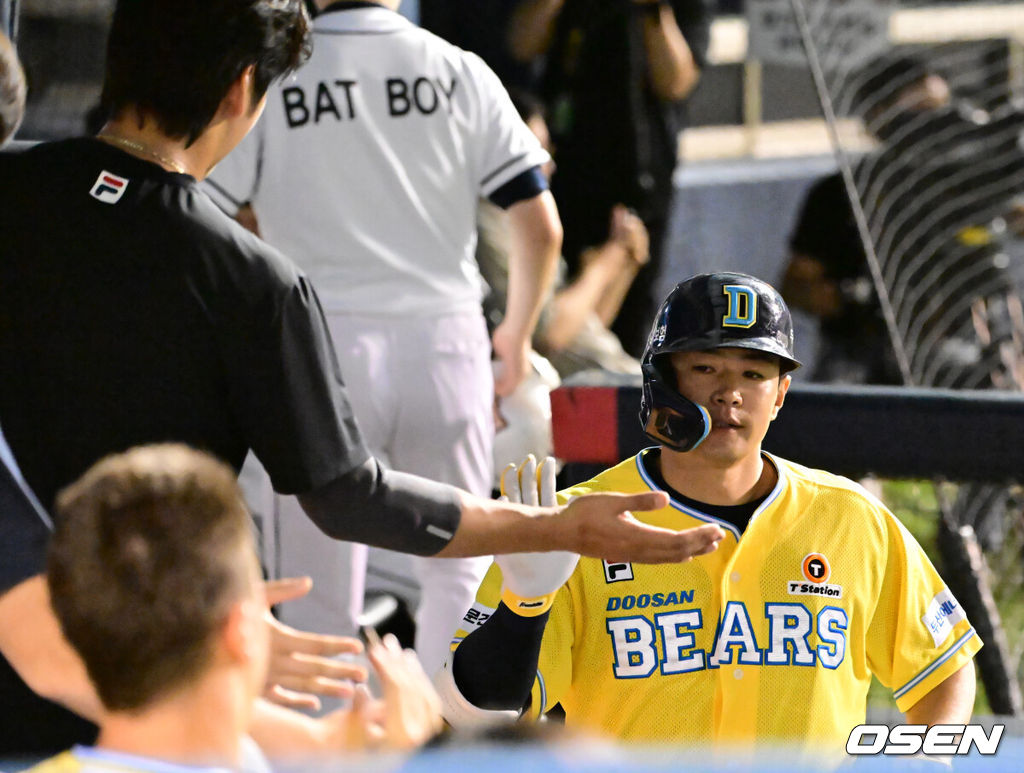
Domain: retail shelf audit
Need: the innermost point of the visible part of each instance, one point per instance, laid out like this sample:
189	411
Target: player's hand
412	707
603	526
405	717
301	663
533	575
513	359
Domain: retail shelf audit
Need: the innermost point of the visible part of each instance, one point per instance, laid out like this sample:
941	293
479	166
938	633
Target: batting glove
530	581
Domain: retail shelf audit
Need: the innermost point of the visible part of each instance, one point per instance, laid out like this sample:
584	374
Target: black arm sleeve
495	665
386	509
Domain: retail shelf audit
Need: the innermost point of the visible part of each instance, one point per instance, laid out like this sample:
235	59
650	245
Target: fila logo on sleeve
109	188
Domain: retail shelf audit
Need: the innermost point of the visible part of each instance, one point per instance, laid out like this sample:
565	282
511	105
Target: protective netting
939	200
938	209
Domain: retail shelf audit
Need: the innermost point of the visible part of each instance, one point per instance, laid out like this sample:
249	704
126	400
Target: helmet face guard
705	312
669	418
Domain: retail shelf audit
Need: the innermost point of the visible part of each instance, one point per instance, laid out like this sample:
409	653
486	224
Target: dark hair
175	59
12	90
151	549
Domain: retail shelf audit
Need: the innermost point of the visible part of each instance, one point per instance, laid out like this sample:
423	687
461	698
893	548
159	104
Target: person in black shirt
132	311
615	78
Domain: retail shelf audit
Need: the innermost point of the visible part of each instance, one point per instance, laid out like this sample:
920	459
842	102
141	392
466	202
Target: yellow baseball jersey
771	638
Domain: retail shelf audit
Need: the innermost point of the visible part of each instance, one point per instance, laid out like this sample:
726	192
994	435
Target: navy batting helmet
707	311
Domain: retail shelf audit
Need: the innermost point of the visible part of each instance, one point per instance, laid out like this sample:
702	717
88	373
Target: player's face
742	391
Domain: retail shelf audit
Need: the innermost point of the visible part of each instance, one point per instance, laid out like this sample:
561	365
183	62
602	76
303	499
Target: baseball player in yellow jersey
772	638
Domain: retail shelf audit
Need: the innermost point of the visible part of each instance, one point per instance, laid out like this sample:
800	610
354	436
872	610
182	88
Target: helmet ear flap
667	417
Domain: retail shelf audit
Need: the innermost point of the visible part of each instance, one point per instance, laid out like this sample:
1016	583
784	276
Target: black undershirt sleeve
495	665
387	509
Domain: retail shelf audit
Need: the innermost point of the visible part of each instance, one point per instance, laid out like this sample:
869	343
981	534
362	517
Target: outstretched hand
406	716
603	526
302	665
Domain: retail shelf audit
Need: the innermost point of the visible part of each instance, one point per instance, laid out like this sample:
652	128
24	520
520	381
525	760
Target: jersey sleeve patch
942	614
475	617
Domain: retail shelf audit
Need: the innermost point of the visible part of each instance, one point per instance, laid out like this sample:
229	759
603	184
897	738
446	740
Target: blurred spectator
12	90
572	334
927	230
480	26
573	331
615	77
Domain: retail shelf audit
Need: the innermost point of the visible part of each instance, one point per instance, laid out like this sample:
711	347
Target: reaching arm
414	515
608	271
405	717
532	27
302	664
674	72
597	525
536	239
629	232
31	640
487	679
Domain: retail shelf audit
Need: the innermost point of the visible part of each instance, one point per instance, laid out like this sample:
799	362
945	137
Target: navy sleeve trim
520	188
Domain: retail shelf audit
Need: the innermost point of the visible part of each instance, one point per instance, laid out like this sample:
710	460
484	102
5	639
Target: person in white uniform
366	169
